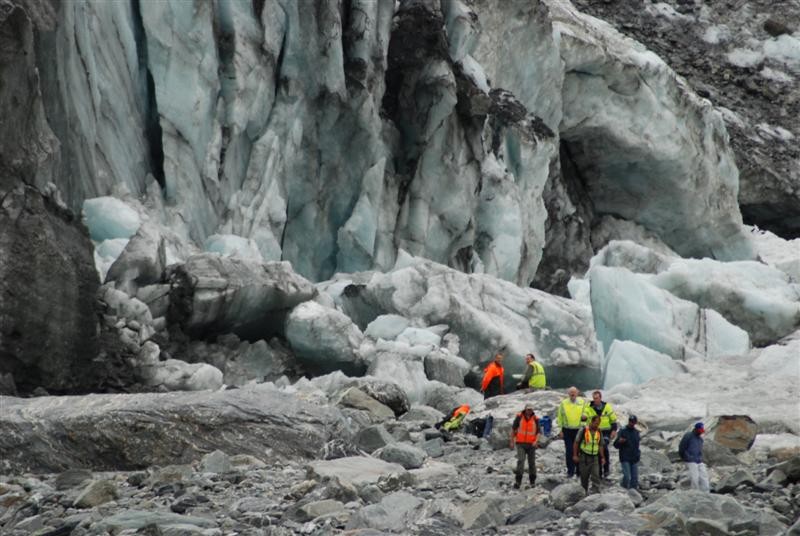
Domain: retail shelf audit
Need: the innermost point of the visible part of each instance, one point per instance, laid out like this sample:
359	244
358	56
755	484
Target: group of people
587	429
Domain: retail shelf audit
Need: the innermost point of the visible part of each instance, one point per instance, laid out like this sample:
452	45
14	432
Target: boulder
357	470
537	514
373	437
409	456
177	375
717	455
96	493
566	495
210	294
706	527
358	399
482	513
163	521
315	509
72	478
617	501
737	432
790	468
740	477
215	462
424	414
611	522
126	432
395	512
697	504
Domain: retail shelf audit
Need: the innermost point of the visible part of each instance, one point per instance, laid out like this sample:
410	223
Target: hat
699	426
528	406
633	418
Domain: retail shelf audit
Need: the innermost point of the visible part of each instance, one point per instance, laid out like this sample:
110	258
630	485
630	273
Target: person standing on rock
570	417
534	378
524	434
608	424
587	452
629	453
492	384
691	452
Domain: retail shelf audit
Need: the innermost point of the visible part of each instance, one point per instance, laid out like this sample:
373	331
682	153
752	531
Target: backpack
476	426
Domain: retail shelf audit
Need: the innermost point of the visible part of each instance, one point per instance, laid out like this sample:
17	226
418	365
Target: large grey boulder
537	514
566	495
698	505
482	513
409	456
357	470
358	399
395	512
612	522
617	501
423	414
97	493
121	432
790	468
740	477
373	437
211	294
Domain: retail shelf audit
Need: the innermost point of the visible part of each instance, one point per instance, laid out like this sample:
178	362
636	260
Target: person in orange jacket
492	384
524	433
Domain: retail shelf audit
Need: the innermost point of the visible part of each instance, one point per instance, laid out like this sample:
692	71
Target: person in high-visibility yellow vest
534	374
587	452
608	424
569	417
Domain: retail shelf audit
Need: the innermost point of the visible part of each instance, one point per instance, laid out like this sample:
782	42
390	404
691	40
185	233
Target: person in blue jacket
627	442
691	452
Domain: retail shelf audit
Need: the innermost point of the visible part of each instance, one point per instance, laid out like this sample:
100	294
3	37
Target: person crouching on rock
534	378
587	452
492	384
524	433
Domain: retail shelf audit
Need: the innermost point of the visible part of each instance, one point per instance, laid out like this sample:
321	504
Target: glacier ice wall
332	137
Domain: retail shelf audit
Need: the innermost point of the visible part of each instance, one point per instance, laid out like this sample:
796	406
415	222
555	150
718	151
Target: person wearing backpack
629	453
587	452
524	434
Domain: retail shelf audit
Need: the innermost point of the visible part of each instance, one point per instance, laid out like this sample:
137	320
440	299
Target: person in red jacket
524	433
492	384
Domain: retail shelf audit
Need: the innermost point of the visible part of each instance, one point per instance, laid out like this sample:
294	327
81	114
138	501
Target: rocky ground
394	475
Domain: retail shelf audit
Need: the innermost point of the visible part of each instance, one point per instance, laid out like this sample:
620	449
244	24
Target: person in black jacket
627	442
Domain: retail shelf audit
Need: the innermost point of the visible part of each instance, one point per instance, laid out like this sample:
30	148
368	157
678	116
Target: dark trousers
606	441
590	468
569	440
526	450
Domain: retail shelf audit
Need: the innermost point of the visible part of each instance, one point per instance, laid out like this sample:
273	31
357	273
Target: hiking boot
517	482
532	483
